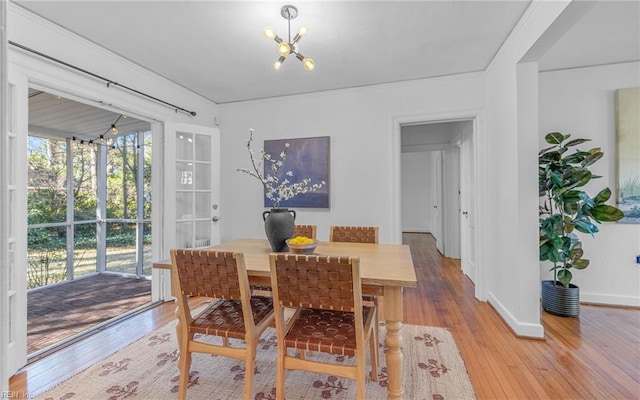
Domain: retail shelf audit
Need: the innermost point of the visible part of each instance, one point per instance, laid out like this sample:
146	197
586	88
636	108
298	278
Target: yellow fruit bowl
302	248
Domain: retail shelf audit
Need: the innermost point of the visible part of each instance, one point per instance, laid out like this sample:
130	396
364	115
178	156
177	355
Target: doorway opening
89	219
436	190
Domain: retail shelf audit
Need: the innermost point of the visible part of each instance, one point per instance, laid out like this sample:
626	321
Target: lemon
301	240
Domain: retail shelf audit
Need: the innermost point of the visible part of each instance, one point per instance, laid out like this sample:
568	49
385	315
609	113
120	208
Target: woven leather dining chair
305	230
354	234
329	317
235	315
357	234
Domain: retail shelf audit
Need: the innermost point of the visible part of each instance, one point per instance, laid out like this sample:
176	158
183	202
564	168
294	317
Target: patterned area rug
147	369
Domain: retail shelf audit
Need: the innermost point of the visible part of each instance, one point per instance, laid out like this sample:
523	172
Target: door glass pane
203	233
184	205
203	205
184	175
203	175
184	146
12	160
203	148
184	234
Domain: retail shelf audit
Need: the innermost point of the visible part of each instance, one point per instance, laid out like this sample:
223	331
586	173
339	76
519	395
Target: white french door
16	342
192	186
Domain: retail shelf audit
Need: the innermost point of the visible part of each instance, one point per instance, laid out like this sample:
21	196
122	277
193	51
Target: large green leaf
575	254
607	213
543	151
577	157
575	142
555	137
581	264
571	196
564	276
595	156
603	196
585	227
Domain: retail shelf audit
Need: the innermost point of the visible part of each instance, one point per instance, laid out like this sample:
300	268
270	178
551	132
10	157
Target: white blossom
276	190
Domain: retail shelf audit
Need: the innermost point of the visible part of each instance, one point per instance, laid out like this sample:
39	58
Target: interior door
193	186
467	220
437	204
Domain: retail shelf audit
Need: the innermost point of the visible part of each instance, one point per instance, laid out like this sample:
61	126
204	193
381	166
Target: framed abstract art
306	158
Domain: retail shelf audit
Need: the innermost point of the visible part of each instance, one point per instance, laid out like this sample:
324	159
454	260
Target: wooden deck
58	312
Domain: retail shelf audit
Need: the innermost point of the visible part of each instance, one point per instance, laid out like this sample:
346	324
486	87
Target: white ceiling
216	48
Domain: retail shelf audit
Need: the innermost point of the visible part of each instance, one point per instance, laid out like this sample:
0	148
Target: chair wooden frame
355	234
305	230
332	285
236	314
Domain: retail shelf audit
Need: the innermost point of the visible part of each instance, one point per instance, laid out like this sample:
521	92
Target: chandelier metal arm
289	12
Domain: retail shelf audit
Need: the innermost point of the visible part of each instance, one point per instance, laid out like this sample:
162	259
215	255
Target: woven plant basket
560	300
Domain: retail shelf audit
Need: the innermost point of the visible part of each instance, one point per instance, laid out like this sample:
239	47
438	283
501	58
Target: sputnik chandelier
289	12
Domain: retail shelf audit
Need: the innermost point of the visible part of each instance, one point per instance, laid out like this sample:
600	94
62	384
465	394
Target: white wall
507	246
416	186
31	31
360	123
581	102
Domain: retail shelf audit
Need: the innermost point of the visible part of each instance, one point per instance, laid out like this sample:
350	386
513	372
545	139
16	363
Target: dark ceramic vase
278	225
560	300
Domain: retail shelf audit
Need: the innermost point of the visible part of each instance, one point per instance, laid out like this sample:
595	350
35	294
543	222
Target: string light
103	141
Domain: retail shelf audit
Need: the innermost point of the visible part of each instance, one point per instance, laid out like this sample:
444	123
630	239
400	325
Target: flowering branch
276	190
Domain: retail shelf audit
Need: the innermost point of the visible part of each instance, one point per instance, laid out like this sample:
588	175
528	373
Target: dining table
385	269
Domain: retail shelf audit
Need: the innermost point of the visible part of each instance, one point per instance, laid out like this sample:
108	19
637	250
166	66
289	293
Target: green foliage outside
47	200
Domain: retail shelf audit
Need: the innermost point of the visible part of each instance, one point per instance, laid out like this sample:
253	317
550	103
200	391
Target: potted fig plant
565	208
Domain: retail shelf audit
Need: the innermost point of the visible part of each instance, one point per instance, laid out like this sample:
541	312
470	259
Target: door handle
215	218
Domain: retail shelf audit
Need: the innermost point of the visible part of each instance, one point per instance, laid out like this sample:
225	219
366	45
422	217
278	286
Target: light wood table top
380	264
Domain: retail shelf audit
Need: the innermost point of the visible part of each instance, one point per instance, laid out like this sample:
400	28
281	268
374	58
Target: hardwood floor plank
595	356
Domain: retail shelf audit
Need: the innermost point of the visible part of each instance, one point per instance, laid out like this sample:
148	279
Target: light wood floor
595	356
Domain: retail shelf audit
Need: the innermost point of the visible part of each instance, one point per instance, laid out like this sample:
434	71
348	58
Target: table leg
393	339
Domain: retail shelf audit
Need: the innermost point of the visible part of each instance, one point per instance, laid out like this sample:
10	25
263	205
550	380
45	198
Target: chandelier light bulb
278	64
284	49
309	64
114	129
302	31
268	32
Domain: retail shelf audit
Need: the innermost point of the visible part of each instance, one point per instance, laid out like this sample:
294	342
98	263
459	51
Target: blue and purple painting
306	158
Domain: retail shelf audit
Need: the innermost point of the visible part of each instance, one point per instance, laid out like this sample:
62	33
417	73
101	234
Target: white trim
4	205
477	116
521	329
609	299
438	80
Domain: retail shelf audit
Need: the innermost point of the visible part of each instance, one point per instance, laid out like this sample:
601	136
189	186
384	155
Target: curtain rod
109	81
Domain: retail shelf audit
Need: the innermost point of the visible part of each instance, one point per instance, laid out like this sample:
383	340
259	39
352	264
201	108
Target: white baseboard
609	300
522	329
